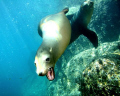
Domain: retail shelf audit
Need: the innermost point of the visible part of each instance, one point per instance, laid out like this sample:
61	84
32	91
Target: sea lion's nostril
40	74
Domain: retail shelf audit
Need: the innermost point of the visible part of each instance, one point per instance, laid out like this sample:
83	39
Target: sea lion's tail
65	10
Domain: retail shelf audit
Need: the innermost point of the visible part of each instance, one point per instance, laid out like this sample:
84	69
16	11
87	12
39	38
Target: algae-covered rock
94	71
102	77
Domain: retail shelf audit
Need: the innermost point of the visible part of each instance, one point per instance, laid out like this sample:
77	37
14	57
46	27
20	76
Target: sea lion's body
56	33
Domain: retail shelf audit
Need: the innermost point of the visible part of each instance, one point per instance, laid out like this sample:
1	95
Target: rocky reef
102	77
94	71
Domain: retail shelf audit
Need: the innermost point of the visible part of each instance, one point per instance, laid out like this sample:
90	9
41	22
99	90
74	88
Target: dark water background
19	40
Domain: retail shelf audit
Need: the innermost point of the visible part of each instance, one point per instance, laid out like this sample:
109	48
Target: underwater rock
93	71
102	77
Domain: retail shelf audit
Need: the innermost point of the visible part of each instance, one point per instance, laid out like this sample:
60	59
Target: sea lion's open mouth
50	74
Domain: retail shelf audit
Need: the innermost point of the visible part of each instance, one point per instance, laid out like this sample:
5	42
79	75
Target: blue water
19	41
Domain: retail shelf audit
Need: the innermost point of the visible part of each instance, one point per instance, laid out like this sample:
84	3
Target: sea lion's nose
40	74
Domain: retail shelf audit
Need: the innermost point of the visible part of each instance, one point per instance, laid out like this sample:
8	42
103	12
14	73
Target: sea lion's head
44	63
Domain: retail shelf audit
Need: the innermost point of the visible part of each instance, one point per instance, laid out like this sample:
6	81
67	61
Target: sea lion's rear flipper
92	36
65	10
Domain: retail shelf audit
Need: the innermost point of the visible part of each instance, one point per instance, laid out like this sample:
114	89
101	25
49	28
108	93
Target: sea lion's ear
51	50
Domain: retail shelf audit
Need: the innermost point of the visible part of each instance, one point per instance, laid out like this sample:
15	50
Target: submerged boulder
94	71
102	77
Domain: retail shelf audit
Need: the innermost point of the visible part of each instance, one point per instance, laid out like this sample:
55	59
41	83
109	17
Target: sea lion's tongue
51	74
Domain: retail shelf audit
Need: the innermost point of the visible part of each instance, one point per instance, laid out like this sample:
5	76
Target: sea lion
57	33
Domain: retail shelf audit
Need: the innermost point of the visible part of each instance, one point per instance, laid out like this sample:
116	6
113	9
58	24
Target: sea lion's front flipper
65	10
39	30
92	36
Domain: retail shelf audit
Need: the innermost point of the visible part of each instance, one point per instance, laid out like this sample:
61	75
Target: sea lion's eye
47	59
